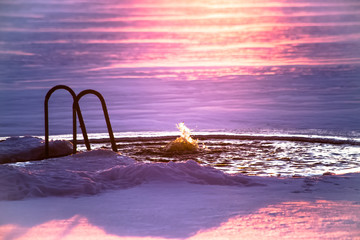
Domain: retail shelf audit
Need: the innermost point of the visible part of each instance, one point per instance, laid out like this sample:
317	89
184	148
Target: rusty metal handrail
46	111
76	108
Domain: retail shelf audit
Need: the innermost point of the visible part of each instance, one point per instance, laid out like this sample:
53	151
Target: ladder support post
74	130
46	129
106	115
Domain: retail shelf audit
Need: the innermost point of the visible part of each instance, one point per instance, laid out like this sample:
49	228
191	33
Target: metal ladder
77	111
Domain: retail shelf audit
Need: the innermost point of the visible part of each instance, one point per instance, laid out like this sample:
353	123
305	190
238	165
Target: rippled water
213	64
261	155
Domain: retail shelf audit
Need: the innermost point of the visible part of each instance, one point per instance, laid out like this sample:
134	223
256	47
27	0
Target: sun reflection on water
262	64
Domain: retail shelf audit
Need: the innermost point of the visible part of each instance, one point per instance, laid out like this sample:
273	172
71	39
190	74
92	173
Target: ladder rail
74	110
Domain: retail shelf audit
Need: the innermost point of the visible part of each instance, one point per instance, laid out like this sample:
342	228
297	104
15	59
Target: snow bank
327	207
15	149
95	171
181	200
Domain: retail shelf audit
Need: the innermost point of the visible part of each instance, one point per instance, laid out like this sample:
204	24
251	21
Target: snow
99	170
28	148
104	195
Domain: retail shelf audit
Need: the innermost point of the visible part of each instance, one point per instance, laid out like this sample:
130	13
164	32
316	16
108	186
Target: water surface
285	65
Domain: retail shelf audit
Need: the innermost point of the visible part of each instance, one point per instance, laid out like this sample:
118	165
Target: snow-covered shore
186	211
103	195
284	209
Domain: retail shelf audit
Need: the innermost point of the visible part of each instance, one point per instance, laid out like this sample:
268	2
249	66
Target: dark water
253	154
288	65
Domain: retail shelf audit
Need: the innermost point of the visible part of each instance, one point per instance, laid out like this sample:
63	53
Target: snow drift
19	149
95	171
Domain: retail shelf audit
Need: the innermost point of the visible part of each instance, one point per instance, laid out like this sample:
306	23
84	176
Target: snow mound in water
19	149
99	170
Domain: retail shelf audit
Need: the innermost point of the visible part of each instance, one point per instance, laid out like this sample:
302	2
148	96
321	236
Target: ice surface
15	149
